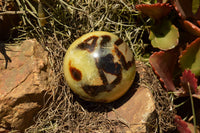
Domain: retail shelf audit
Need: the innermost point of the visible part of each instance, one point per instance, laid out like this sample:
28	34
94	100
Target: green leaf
164	35
190	57
195	6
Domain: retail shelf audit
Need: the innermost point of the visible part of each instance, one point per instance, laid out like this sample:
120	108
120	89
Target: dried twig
12	12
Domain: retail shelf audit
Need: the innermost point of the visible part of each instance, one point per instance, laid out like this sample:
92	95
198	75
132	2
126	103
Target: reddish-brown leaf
185	11
190	27
181	125
163	64
155	11
198	22
188	81
184	8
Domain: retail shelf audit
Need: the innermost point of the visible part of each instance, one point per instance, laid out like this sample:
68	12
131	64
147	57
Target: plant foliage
177	64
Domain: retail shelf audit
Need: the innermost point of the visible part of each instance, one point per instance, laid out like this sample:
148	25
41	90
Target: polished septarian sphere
99	67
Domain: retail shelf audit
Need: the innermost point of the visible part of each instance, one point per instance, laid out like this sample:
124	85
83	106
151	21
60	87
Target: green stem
193	110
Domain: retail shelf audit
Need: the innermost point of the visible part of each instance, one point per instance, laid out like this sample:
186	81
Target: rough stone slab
136	111
23	83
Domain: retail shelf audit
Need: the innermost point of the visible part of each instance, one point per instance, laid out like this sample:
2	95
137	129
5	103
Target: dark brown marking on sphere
126	65
105	64
101	73
93	90
105	40
75	73
89	47
118	42
117	80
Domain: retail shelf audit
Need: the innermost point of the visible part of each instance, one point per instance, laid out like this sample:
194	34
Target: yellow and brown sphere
99	67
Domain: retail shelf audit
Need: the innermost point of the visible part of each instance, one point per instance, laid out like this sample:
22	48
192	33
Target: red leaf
184	8
155	11
188	78
198	22
163	64
181	125
190	27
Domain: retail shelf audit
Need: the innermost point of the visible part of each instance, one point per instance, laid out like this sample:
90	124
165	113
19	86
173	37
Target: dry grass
164	107
67	20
